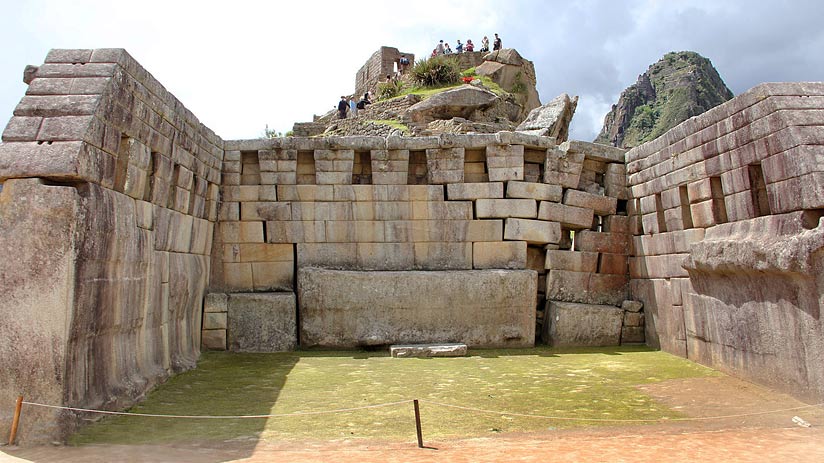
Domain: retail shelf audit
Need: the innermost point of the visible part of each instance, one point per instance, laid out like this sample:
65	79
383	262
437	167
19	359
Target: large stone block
503	254
481	308
571	217
262	322
532	231
445	165
428	350
503	208
582	325
213	339
602	205
586	288
614	243
537	191
440	256
575	261
468	191
563	168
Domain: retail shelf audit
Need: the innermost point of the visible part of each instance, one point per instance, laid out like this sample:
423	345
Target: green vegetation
518	85
391	89
395	124
436	71
593	383
403	87
272	133
681	85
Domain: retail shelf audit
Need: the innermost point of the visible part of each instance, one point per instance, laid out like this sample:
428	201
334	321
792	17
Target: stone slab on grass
428	350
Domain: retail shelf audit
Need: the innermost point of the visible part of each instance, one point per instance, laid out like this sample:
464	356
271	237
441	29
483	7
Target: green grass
594	383
391	123
426	92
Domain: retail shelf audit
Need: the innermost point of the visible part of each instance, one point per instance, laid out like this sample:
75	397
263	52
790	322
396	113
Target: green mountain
679	86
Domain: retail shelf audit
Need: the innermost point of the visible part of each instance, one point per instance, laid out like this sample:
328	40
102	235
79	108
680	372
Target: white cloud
241	65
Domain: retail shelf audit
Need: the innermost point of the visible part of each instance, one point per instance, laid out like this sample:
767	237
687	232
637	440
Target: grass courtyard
592	383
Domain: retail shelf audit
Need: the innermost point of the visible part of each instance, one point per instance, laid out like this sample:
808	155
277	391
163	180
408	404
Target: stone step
428	350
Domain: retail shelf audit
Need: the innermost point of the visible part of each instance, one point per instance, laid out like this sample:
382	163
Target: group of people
350	106
444	48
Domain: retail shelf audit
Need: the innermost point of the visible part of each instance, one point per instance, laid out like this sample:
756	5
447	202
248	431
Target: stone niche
481	308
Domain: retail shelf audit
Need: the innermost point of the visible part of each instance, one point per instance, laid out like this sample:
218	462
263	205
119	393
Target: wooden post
417	423
16	420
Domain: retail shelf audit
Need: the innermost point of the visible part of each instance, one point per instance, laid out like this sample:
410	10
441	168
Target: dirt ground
766	433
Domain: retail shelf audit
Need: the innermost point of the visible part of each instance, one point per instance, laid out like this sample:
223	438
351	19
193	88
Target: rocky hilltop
677	87
496	93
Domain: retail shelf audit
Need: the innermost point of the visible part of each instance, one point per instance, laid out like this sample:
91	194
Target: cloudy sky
241	65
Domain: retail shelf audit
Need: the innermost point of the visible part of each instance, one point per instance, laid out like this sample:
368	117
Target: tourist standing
402	64
353	107
439	49
459	47
485	44
497	44
343	106
470	47
446	49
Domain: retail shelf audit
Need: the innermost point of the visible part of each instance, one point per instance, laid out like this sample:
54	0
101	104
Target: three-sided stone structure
135	236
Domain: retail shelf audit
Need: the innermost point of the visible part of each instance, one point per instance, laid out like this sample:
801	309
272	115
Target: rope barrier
432	402
218	417
617	420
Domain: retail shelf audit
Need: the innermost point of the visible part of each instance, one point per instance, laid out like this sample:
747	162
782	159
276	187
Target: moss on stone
591	383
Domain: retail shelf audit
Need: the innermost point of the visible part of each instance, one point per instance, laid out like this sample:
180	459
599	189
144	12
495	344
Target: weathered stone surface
563	168
504	208
459	102
632	306
428	350
532	231
216	302
632	335
537	191
615	243
38	223
503	254
575	261
214	321
574	218
584	325
466	191
586	288
214	339
551	119
485	308
262	322
601	205
514	74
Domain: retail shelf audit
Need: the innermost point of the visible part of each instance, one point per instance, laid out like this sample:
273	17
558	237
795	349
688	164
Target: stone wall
382	63
489	308
448	203
109	198
727	259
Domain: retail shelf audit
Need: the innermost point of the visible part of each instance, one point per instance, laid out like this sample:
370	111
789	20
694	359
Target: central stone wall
411	206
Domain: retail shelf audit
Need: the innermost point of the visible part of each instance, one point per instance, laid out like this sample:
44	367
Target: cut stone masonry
135	237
